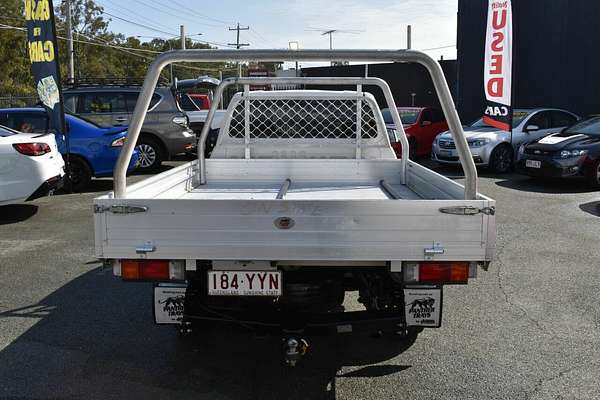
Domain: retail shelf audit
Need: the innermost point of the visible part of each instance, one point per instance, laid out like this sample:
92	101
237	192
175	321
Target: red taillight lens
444	272
155	270
32	149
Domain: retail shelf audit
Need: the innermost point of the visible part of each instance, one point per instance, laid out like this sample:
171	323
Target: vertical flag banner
43	55
498	65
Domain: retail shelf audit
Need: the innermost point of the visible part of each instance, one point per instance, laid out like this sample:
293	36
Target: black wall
403	80
556	51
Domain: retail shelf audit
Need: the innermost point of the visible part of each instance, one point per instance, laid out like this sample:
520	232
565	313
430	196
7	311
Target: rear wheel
150	152
501	159
593	175
412	149
80	174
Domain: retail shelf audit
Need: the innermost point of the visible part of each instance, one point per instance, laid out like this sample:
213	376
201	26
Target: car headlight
181	120
478	142
118	142
572	153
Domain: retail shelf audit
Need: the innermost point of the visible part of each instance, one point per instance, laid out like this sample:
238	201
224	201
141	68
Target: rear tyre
501	159
412	149
593	175
151	154
80	174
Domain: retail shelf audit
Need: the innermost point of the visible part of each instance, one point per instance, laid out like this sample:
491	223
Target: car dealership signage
43	55
498	65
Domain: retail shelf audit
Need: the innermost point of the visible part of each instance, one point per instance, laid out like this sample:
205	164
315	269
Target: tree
99	52
16	75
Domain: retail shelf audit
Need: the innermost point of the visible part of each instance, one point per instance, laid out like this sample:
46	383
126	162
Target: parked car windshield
589	126
4	131
518	117
408	117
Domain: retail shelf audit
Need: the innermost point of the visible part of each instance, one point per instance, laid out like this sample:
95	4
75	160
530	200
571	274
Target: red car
201	100
421	124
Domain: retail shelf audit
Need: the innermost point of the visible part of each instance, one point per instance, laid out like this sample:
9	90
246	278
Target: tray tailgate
361	230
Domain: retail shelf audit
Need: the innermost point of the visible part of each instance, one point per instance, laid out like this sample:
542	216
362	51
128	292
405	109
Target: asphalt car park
529	328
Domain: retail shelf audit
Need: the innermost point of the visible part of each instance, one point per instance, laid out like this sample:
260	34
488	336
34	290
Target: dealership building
555	60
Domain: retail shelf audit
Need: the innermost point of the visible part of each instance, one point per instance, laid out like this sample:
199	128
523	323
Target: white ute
301	201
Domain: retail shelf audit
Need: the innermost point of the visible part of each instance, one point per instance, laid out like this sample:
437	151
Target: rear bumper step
285	321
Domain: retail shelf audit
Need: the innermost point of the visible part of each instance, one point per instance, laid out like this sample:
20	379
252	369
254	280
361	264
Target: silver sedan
495	148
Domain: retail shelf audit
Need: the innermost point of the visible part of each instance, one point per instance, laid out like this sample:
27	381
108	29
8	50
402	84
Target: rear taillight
438	272
152	270
118	142
32	149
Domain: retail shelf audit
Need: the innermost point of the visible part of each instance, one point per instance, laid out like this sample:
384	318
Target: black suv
165	131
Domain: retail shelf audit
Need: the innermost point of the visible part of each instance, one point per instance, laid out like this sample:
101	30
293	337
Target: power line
261	38
138	24
198	14
164	32
213	43
128	50
439	48
133	14
166	10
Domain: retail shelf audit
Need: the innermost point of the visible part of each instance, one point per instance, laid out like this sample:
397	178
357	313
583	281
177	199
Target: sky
273	24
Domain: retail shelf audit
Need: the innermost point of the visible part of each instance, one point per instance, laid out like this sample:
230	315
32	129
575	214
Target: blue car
93	149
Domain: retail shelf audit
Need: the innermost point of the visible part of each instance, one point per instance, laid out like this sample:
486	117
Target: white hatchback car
30	166
496	148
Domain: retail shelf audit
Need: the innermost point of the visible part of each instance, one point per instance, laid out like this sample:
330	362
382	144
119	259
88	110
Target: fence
18	101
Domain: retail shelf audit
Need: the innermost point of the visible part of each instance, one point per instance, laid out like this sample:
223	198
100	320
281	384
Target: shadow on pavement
549	186
14	213
94	338
591	208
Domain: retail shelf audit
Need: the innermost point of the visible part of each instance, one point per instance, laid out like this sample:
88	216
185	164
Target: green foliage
91	60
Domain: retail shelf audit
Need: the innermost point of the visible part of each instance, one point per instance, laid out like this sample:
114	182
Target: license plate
423	306
244	283
533	164
445	152
168	304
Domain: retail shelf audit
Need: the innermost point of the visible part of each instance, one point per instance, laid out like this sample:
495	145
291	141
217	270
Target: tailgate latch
468	210
435	249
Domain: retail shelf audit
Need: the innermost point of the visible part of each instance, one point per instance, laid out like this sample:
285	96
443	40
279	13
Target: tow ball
295	348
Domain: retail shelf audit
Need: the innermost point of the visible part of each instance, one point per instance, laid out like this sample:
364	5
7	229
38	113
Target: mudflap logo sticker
423	307
173	306
168	304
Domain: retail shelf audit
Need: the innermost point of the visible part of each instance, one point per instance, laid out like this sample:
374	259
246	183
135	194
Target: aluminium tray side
355	230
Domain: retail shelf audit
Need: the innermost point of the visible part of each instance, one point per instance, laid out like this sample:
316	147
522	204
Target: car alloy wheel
147	155
80	174
593	175
501	159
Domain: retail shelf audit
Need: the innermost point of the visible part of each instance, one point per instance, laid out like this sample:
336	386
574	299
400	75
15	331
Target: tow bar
295	348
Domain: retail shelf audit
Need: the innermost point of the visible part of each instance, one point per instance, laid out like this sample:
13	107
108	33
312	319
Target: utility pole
408	37
330	33
182	33
294	46
237	43
70	50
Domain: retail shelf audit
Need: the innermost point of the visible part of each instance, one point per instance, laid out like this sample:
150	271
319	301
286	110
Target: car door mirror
532	128
426	123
